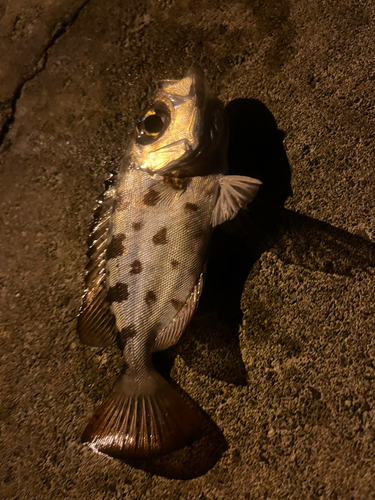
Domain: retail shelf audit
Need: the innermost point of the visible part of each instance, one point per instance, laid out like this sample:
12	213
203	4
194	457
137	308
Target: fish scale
147	256
158	275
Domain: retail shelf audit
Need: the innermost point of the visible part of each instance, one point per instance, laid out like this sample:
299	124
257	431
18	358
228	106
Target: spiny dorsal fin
172	332
96	324
236	191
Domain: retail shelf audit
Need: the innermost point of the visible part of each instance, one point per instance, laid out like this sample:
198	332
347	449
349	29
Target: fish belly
158	246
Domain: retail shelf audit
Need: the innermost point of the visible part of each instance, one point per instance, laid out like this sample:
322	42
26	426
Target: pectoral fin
236	191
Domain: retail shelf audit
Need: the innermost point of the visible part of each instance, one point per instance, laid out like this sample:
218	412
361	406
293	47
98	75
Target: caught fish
147	257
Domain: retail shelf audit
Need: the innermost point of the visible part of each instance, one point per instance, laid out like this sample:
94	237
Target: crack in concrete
40	66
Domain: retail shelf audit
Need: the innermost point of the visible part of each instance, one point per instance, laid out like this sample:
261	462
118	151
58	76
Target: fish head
184	132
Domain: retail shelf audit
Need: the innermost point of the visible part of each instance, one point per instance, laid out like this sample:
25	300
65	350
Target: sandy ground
280	359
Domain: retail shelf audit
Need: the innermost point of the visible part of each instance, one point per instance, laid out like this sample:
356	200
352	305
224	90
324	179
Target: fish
147	255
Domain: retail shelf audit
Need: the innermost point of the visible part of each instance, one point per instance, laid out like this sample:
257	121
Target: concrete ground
280	359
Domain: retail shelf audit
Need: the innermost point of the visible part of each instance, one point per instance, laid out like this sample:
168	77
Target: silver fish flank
147	256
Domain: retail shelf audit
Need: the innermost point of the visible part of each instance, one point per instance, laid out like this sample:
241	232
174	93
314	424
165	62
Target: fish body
148	250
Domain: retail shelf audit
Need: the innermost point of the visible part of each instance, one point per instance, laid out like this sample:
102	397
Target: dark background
280	358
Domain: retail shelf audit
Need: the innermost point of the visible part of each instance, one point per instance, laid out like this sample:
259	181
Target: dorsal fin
236	191
96	324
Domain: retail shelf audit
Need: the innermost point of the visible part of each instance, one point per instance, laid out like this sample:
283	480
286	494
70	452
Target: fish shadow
319	246
210	345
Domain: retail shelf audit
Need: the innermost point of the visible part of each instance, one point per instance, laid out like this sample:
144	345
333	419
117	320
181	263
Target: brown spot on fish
127	333
192	207
160	238
177	183
115	247
150	297
136	267
118	293
177	304
151	198
137	226
121	202
174	264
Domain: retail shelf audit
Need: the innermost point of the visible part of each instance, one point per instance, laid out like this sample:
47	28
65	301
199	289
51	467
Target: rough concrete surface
280	358
27	30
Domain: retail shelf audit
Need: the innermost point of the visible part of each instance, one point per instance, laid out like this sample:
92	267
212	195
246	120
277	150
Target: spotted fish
147	256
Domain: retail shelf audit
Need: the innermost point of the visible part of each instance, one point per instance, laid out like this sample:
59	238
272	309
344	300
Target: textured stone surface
287	386
28	28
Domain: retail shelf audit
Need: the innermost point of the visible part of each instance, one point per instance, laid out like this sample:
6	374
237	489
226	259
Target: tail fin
139	424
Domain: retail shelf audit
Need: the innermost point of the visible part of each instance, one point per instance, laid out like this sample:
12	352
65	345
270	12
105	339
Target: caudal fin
139	424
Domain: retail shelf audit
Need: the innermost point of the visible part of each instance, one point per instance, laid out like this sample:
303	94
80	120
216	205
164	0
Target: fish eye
153	124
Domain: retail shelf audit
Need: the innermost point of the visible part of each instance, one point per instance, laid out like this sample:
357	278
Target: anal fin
172	333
